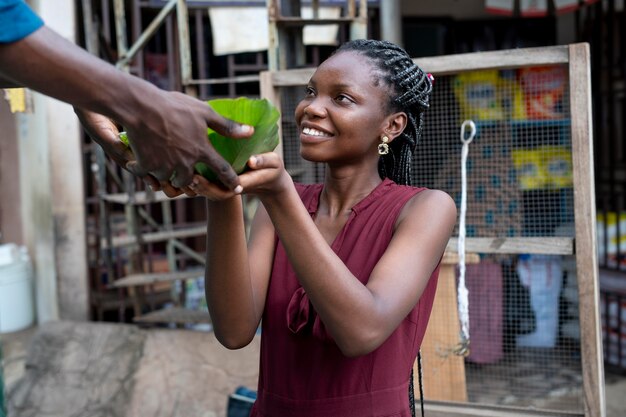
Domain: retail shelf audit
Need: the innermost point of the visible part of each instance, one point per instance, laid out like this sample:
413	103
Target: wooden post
585	219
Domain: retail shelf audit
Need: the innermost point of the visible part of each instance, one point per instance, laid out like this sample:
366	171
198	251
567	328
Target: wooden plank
140	197
443	370
152	278
291	78
513	245
454	64
176	315
435	409
269	91
126	240
299	21
585	224
511	58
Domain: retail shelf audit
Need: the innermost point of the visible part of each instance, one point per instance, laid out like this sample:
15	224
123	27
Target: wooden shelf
140	197
153	278
127	240
175	315
298	21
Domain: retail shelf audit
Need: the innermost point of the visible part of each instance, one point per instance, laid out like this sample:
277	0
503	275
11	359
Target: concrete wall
67	182
41	170
10	228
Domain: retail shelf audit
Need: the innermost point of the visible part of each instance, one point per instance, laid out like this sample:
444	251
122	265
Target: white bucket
16	293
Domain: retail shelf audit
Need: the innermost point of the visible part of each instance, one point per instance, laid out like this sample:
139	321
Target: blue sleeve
17	20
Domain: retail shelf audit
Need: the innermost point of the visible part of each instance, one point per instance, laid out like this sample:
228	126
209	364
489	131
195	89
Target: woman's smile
313	134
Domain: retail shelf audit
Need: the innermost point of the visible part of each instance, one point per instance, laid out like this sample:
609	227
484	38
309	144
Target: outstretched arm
341	300
237	275
167	129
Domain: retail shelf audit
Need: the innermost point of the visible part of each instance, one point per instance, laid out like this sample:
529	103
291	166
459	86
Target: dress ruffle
302	318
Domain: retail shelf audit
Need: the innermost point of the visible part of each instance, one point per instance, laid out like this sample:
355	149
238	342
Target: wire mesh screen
524	321
524	329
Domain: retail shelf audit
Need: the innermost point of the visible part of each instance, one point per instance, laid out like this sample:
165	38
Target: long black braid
409	92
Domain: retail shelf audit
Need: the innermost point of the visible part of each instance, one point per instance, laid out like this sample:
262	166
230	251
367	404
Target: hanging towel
246	29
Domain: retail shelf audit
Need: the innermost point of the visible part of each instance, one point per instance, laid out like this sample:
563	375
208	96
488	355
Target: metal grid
524	327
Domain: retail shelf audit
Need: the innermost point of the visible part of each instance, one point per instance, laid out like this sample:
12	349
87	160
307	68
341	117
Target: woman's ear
395	124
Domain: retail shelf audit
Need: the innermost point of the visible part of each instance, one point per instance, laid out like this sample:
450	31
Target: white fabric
531	8
239	29
500	6
246	29
321	34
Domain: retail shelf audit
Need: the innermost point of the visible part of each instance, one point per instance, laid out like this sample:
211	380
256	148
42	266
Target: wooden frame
582	246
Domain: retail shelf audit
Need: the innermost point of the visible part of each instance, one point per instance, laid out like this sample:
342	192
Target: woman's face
342	115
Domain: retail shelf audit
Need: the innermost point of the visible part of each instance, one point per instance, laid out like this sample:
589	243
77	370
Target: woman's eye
343	99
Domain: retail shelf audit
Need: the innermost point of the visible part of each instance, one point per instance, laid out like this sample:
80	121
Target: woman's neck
342	192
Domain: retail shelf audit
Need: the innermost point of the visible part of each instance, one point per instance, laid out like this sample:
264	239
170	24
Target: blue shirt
17	20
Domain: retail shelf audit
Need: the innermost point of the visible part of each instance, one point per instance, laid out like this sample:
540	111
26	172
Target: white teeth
313	132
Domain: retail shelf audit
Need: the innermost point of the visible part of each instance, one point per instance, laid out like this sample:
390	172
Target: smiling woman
343	273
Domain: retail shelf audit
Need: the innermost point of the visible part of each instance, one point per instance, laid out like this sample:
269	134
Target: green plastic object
259	113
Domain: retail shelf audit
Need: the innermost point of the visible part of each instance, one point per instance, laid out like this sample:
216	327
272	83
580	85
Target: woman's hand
200	186
267	176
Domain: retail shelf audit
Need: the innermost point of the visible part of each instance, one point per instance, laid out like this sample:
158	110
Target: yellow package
478	95
530	169
557	165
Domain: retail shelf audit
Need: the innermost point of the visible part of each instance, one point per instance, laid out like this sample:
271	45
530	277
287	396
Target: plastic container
16	290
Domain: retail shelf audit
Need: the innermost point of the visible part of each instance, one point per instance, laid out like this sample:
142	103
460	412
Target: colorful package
544	89
557	166
477	94
529	167
545	167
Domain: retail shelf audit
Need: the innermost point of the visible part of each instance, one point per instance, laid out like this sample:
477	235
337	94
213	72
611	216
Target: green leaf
124	138
259	113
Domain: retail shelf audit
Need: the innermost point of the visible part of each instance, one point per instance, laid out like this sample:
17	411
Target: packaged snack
544	89
478	95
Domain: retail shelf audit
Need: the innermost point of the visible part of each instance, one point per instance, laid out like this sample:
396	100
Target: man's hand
170	137
105	133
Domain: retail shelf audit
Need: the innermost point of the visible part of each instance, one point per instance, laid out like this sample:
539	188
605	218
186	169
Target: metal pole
391	21
184	43
120	29
146	34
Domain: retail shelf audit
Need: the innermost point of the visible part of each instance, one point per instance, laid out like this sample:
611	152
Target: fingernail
238	189
246	129
253	160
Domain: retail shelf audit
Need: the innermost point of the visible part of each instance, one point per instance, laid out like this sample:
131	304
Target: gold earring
383	148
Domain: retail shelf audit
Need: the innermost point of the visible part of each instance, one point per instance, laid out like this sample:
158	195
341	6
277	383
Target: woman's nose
315	108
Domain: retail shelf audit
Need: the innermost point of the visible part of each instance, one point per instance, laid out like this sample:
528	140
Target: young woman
341	274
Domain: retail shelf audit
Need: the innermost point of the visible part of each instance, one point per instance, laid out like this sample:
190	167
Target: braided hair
410	91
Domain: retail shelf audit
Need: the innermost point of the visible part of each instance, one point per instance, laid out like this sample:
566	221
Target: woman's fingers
265	160
202	186
170	190
265	172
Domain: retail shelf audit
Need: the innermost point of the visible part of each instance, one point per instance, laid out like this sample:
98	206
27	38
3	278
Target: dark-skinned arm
341	300
167	129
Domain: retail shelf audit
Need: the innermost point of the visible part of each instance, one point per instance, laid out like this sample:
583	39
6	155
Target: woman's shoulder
430	202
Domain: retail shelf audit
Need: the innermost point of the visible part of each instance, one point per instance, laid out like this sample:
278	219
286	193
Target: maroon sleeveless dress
302	371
